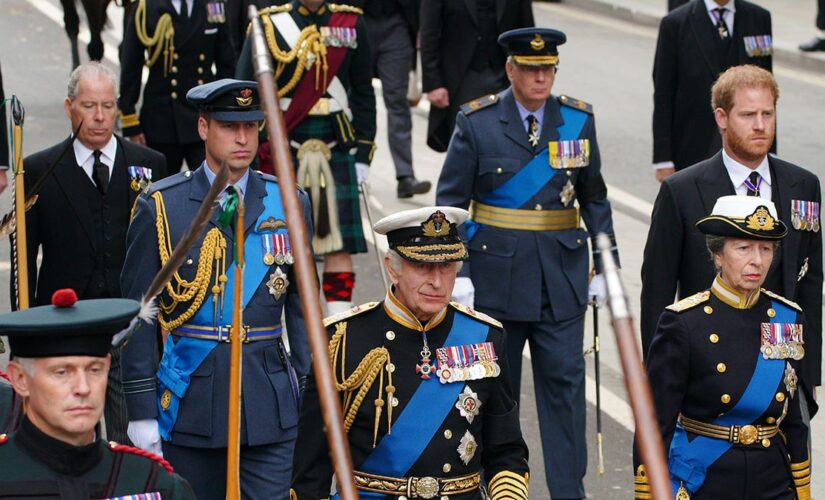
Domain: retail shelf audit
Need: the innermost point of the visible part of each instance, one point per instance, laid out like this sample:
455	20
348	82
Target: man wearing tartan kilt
322	60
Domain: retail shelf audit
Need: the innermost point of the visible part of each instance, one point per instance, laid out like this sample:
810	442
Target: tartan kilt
342	165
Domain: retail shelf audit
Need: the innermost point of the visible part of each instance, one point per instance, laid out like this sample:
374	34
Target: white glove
464	292
145	435
362	172
597	290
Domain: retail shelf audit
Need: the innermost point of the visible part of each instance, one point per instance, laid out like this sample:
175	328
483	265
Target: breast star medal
790	379
468	404
277	283
467	447
567	193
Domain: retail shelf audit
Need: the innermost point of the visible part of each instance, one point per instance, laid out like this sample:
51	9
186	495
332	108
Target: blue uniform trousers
266	470
558	377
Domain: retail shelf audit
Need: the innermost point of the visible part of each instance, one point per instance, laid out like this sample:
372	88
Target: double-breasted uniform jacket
354	74
34	465
494	430
271	416
676	260
451	37
199	43
81	233
689	57
702	359
509	267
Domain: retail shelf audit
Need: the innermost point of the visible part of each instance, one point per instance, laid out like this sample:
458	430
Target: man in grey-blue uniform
182	400
527	165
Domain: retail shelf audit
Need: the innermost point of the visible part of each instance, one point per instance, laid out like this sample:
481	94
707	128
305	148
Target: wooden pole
304	267
233	442
21	250
648	436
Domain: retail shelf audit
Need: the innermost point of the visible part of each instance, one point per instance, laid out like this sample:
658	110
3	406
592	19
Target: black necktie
184	10
100	173
753	183
533	132
721	25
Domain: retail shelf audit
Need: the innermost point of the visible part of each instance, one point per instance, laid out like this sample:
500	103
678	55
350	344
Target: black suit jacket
60	223
677	260
4	146
449	36
686	66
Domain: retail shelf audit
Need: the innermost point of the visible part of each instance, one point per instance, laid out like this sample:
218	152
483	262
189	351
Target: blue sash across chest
183	356
689	460
533	176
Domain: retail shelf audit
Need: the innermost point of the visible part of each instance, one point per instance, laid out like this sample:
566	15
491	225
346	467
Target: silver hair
26	364
396	258
86	70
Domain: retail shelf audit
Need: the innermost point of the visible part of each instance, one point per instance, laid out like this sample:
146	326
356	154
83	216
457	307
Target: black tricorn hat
747	217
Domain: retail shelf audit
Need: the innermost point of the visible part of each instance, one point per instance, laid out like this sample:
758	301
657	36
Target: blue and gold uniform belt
525	220
222	333
736	434
417	487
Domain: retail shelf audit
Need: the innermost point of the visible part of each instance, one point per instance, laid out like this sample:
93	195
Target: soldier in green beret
59	365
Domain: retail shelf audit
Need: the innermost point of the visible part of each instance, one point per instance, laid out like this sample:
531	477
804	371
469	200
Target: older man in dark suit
675	257
697	42
460	59
82	213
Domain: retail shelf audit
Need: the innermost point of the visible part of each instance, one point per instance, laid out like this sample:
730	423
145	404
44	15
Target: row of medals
476	371
278	258
803	224
792	350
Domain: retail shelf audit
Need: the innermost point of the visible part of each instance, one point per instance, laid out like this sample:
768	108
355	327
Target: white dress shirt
730	11
85	156
189	5
739	173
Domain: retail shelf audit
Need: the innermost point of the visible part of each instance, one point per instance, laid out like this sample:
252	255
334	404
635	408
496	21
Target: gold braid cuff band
641	488
417	487
801	473
508	485
130	120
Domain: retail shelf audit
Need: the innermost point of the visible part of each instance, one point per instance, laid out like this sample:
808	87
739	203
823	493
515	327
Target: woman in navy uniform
424	381
723	368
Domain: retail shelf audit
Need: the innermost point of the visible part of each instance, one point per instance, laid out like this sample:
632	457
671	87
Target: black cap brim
718	225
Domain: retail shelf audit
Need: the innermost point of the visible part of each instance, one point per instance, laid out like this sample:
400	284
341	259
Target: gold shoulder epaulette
689	302
339	7
480	103
275	9
782	299
469	311
572	102
355	311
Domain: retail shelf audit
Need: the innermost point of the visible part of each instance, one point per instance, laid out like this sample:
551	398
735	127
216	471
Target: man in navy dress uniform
183	399
527	165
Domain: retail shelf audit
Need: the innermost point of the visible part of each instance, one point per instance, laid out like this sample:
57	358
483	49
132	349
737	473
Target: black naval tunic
702	358
495	430
34	465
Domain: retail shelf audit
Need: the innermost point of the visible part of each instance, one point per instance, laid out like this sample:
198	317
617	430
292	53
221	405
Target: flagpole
233	450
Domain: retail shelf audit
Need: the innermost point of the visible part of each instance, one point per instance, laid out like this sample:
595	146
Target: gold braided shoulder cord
361	380
213	252
308	48
162	41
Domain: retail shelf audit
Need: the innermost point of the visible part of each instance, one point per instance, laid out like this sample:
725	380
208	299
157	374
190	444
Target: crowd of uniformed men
429	375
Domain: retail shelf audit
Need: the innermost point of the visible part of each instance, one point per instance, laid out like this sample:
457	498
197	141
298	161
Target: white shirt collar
82	153
738	173
524	113
189	5
711	5
241	184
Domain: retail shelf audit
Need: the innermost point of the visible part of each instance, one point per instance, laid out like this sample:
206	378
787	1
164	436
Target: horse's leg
96	14
71	24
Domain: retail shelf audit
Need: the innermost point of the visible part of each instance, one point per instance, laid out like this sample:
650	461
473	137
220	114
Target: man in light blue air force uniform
181	400
526	164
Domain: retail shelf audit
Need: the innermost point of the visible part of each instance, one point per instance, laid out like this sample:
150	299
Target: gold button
708	310
447	468
766	443
713	338
174	69
391	367
174	95
174	82
200	82
448	434
394	402
569	173
390	335
484	247
445	497
402	497
175	57
721	368
771	313
201	57
189	262
780	396
726	398
538	206
770	420
200	70
563	98
499	170
578	241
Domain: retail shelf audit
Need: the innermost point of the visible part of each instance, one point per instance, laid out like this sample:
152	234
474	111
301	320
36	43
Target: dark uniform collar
400	314
731	297
59	456
306	12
